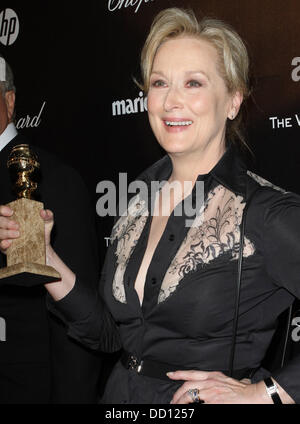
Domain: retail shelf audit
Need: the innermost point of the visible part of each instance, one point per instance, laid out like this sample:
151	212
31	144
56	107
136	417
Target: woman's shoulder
273	199
262	182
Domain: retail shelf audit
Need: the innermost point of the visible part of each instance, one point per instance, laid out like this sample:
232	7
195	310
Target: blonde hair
233	63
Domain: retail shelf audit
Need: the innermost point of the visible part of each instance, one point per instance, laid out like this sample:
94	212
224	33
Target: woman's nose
173	99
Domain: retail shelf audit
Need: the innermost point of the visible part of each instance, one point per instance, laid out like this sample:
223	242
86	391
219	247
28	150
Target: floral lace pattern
127	230
218	233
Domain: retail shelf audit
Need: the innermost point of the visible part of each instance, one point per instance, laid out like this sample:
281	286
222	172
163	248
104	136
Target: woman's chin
174	148
177	151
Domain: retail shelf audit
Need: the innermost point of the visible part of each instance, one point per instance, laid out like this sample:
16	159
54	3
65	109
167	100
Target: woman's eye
194	83
158	83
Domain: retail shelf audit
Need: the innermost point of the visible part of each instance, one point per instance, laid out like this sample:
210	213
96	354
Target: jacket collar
8	134
230	171
18	139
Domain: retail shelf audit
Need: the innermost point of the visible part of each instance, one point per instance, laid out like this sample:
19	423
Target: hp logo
9	27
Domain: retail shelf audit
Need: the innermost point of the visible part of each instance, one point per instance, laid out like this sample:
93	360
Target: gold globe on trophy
26	257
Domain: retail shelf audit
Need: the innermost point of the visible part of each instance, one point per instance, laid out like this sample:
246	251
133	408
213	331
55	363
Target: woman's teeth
178	123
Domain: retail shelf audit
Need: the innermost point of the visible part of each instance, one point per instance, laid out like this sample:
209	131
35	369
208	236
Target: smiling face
188	101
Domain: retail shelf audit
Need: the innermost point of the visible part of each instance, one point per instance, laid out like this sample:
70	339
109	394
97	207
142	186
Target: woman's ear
10	98
236	102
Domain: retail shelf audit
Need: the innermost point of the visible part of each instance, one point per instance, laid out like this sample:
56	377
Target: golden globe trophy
26	257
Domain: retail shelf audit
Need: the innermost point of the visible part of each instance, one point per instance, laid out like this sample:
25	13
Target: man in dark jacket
39	363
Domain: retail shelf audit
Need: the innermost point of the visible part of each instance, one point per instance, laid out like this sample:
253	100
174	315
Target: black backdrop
73	62
74	65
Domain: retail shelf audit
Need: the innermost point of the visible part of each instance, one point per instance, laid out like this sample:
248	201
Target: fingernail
169	374
16	233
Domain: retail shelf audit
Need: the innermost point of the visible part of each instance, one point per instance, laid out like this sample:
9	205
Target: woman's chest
183	269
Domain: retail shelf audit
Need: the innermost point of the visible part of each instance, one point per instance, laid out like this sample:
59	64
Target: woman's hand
215	387
9	229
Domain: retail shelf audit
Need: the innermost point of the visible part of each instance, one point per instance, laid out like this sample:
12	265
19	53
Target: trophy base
28	275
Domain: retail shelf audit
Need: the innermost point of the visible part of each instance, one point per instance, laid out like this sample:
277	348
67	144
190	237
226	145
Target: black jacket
189	296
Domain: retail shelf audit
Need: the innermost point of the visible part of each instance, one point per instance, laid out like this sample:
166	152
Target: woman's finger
200	385
48	218
187	397
194	375
9	234
6	237
6	210
8	228
8	223
47	215
4	245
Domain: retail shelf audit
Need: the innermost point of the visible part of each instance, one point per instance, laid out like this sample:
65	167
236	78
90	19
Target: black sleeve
74	240
282	250
87	318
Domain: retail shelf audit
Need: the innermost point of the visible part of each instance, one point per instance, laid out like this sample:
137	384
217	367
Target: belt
159	370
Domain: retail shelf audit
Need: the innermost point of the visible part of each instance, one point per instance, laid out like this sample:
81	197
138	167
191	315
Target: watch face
270	387
271	390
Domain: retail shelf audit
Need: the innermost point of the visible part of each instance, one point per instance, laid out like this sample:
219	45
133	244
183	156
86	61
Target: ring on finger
194	394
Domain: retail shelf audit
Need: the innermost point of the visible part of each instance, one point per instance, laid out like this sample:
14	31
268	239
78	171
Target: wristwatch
272	390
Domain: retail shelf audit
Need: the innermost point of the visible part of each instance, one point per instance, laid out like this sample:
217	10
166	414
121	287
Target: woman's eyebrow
198	72
157	72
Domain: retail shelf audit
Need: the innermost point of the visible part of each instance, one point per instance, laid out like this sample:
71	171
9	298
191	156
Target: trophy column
26	257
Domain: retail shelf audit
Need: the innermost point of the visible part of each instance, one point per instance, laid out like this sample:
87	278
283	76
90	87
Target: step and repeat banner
75	65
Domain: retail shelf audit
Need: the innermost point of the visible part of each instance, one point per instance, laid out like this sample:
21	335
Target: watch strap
272	390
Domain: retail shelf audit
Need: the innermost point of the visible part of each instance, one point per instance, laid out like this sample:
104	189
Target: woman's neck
188	167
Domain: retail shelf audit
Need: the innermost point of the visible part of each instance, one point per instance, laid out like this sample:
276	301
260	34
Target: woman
171	287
